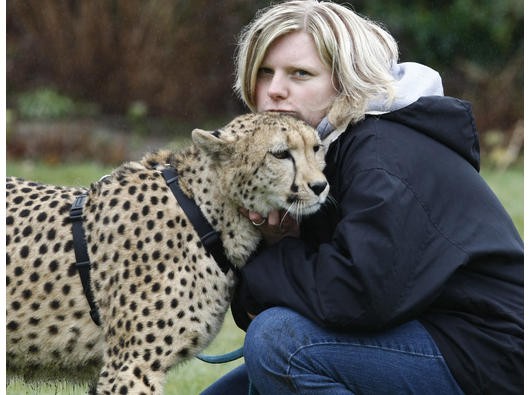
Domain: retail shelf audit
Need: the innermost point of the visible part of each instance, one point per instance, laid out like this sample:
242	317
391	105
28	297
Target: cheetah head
267	161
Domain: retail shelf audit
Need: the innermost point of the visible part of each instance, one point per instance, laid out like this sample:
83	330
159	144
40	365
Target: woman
413	281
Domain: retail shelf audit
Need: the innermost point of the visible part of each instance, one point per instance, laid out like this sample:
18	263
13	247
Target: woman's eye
265	71
281	154
302	74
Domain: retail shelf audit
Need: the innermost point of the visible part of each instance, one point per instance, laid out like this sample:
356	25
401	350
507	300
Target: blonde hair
358	52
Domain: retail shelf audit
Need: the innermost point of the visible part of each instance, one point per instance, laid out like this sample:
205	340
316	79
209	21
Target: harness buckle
76	211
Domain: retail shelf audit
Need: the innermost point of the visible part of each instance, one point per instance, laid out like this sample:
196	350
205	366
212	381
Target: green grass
193	376
189	378
72	174
508	185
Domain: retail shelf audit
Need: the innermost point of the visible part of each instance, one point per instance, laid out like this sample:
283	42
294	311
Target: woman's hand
277	225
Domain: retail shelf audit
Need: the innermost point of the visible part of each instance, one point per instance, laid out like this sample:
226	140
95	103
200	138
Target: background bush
175	56
477	45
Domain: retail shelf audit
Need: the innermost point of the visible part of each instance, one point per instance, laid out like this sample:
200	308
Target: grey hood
411	81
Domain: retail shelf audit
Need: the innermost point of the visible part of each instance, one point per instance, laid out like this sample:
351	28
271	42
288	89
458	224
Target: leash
222	358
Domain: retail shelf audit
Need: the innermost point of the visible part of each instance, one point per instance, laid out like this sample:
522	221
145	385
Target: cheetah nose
318	187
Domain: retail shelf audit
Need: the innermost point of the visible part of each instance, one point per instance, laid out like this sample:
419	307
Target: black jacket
416	234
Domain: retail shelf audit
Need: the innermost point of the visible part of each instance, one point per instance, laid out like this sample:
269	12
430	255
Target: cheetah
161	297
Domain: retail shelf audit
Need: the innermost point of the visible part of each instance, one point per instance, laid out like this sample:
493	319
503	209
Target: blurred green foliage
45	103
48	103
486	32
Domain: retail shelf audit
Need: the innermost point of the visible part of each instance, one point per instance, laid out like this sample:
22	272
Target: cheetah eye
281	154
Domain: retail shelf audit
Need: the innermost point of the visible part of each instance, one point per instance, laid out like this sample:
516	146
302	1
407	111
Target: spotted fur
161	297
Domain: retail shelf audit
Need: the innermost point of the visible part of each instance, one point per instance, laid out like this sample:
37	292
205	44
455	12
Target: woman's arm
377	269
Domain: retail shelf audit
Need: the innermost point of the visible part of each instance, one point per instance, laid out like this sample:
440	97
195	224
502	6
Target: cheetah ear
212	144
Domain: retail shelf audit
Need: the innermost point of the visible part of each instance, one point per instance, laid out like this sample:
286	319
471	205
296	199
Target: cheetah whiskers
331	201
295	215
295	210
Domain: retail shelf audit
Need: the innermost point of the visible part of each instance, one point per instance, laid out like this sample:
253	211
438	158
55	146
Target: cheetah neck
201	182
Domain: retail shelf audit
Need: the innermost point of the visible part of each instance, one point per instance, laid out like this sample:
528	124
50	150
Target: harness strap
210	238
82	263
212	243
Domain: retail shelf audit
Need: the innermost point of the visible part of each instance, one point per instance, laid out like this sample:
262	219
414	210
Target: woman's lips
287	112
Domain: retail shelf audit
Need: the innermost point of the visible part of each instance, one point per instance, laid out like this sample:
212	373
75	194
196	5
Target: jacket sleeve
380	267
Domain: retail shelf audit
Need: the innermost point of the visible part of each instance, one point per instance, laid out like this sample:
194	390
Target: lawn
189	378
508	186
193	376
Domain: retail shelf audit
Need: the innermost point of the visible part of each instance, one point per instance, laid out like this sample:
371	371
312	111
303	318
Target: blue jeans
286	353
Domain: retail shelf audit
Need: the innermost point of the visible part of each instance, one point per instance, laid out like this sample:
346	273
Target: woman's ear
211	143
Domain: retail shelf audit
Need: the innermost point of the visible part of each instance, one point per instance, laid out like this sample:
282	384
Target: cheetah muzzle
161	297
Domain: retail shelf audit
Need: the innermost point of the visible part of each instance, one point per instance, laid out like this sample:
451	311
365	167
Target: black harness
82	263
210	238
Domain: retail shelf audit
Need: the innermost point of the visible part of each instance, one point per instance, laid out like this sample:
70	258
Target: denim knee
286	353
268	342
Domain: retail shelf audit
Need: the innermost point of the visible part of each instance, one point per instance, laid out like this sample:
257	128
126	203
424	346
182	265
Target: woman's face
293	79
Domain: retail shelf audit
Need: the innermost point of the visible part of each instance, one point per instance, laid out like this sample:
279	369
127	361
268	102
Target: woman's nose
277	87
